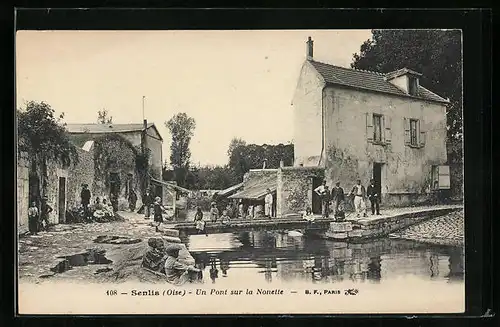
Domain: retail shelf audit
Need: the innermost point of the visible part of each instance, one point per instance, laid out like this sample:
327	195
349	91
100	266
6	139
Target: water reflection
275	255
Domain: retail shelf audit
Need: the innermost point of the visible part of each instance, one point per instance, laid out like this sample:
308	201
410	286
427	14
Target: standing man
132	200
33	218
325	199
45	209
269	204
374	196
359	193
85	197
147	200
320	189
338	200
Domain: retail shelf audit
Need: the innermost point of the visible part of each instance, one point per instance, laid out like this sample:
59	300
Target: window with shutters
377	128
414	132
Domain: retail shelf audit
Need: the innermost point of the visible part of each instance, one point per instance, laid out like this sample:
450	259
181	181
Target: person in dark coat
113	198
373	194
338	202
85	199
147	200
45	210
132	200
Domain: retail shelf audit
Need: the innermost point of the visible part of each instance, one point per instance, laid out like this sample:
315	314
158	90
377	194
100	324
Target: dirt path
40	255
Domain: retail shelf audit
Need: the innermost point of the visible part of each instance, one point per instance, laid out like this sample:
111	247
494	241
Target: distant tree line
241	158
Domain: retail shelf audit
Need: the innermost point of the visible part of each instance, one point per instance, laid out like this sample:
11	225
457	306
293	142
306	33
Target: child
308	215
225	219
158	211
214	212
45	210
198	219
33	218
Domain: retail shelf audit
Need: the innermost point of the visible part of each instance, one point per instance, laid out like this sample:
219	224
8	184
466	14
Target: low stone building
63	186
118	148
359	124
292	189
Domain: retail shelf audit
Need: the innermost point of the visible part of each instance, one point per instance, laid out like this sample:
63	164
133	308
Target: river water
271	257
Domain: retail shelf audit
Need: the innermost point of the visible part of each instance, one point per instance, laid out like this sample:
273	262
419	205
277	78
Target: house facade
360	125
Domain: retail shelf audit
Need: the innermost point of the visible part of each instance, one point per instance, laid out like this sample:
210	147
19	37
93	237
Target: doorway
114	185
316	200
62	200
377	176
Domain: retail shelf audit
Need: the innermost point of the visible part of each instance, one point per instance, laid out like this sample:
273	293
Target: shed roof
230	189
368	80
257	188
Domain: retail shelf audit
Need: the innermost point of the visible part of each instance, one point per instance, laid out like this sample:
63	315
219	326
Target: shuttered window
414	132
377	128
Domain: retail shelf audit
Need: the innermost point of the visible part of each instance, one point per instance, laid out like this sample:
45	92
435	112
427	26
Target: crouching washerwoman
177	272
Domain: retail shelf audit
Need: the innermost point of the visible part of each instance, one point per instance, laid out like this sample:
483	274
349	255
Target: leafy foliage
243	157
181	128
113	151
44	136
434	53
103	117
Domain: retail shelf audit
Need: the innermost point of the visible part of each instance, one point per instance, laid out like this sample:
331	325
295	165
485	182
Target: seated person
98	209
308	215
225	219
107	208
177	272
155	258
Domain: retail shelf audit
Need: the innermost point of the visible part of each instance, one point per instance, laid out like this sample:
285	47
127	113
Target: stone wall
295	187
80	173
22	193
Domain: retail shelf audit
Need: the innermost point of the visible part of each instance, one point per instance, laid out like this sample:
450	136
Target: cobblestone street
446	230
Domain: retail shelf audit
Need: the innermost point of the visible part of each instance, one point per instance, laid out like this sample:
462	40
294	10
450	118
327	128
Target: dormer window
405	79
412	85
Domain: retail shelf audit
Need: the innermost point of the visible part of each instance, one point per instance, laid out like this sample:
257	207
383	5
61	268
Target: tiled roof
105	128
367	80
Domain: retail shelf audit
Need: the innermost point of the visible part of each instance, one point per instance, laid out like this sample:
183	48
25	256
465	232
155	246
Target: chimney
309	51
145	124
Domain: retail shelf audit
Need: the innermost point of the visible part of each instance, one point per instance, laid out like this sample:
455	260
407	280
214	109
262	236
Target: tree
103	117
243	157
236	154
43	137
434	53
181	127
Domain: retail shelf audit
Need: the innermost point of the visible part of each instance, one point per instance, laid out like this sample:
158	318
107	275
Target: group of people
358	193
39	219
100	208
215	216
165	260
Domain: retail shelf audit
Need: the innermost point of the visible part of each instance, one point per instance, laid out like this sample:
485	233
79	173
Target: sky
233	83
